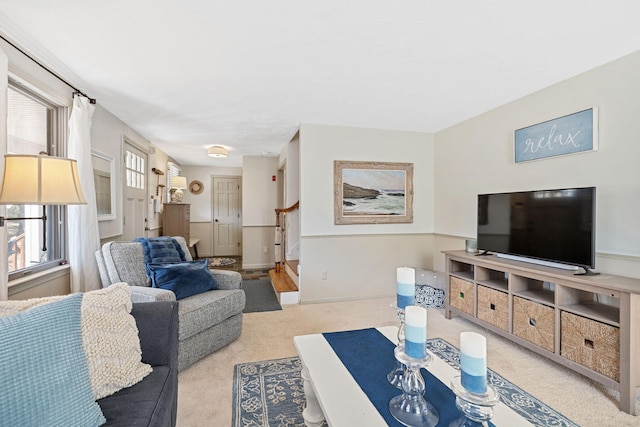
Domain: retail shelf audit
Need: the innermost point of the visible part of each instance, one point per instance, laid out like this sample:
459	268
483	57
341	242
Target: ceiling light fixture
218	151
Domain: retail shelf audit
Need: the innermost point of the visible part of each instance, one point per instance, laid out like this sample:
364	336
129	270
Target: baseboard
390	297
257	266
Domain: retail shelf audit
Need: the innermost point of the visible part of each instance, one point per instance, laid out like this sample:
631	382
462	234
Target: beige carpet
205	389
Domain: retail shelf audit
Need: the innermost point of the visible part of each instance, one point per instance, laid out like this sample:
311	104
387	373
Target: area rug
220	262
260	296
270	393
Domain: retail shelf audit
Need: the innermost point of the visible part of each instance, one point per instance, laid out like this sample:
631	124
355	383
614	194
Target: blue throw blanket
161	249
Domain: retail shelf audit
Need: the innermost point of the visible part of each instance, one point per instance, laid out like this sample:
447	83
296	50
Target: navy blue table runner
368	356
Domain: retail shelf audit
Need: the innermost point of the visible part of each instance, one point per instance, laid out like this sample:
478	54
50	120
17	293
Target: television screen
549	225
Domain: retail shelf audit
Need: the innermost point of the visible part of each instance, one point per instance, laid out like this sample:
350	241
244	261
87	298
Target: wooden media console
587	323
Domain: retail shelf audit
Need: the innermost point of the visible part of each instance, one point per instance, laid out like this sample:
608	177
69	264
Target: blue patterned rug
270	393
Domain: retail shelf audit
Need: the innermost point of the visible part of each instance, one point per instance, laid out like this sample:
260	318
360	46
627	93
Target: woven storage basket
461	295
493	307
591	344
534	322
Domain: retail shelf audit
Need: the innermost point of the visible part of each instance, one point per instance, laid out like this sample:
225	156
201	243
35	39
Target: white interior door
226	216
135	193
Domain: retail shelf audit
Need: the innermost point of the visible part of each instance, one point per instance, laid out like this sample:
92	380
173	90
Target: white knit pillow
111	342
109	335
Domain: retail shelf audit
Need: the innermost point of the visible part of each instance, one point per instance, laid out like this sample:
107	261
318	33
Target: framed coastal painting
372	192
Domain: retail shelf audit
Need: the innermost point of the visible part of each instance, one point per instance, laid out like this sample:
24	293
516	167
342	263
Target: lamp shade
178	182
217	151
40	180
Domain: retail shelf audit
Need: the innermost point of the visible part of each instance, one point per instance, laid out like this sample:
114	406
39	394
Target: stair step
282	282
293	265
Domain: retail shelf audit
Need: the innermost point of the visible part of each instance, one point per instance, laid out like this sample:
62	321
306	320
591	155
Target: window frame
56	223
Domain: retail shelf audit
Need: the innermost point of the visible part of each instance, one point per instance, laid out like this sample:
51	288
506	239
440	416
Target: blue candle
415	331
473	362
406	286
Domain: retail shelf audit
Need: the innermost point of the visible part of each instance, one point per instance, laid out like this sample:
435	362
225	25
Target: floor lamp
39	180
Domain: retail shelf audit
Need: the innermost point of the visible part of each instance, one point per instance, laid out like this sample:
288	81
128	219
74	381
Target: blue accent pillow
43	368
161	249
184	278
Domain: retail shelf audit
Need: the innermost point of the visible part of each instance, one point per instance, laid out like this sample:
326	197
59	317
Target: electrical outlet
264	250
324	275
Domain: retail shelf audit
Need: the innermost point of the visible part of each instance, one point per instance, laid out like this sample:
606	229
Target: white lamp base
176	196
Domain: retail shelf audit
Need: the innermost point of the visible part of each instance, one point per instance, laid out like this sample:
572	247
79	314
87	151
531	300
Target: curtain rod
76	90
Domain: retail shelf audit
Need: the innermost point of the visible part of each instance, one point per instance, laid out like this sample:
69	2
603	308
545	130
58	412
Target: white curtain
84	238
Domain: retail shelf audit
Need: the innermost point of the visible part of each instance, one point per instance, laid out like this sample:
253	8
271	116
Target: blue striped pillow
161	249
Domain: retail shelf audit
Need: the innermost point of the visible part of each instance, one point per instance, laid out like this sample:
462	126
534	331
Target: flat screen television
550	226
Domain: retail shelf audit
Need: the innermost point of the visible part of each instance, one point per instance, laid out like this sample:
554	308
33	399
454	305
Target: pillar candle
406	285
415	331
473	362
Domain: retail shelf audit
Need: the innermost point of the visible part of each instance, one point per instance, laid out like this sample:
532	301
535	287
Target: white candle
406	286
415	331
473	362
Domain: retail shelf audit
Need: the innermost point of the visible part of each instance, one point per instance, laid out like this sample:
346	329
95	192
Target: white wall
360	260
202	204
259	192
107	136
259	201
292	195
320	145
477	157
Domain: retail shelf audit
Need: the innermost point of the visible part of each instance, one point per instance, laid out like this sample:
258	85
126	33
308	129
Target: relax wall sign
569	134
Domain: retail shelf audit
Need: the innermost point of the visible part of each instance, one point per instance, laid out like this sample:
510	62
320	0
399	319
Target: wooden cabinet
176	218
586	323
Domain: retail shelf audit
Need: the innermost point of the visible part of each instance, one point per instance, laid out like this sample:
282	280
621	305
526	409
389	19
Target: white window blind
32	127
172	170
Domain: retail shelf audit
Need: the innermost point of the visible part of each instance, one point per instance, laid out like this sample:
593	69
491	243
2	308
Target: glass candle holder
395	375
411	408
476	409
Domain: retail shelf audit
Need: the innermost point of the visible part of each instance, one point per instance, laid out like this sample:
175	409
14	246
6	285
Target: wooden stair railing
294	206
278	236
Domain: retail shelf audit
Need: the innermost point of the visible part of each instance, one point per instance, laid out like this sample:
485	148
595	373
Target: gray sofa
207	321
154	400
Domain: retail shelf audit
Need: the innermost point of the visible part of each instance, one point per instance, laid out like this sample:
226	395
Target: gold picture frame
372	192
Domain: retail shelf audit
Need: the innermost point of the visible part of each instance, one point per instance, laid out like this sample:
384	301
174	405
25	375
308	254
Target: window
172	170
134	170
32	128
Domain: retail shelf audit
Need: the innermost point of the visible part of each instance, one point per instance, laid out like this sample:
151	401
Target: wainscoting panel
204	232
258	249
342	268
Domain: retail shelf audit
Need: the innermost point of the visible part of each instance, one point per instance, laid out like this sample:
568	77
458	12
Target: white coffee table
335	397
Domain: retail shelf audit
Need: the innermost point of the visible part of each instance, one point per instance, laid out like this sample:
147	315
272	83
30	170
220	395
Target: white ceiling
245	74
